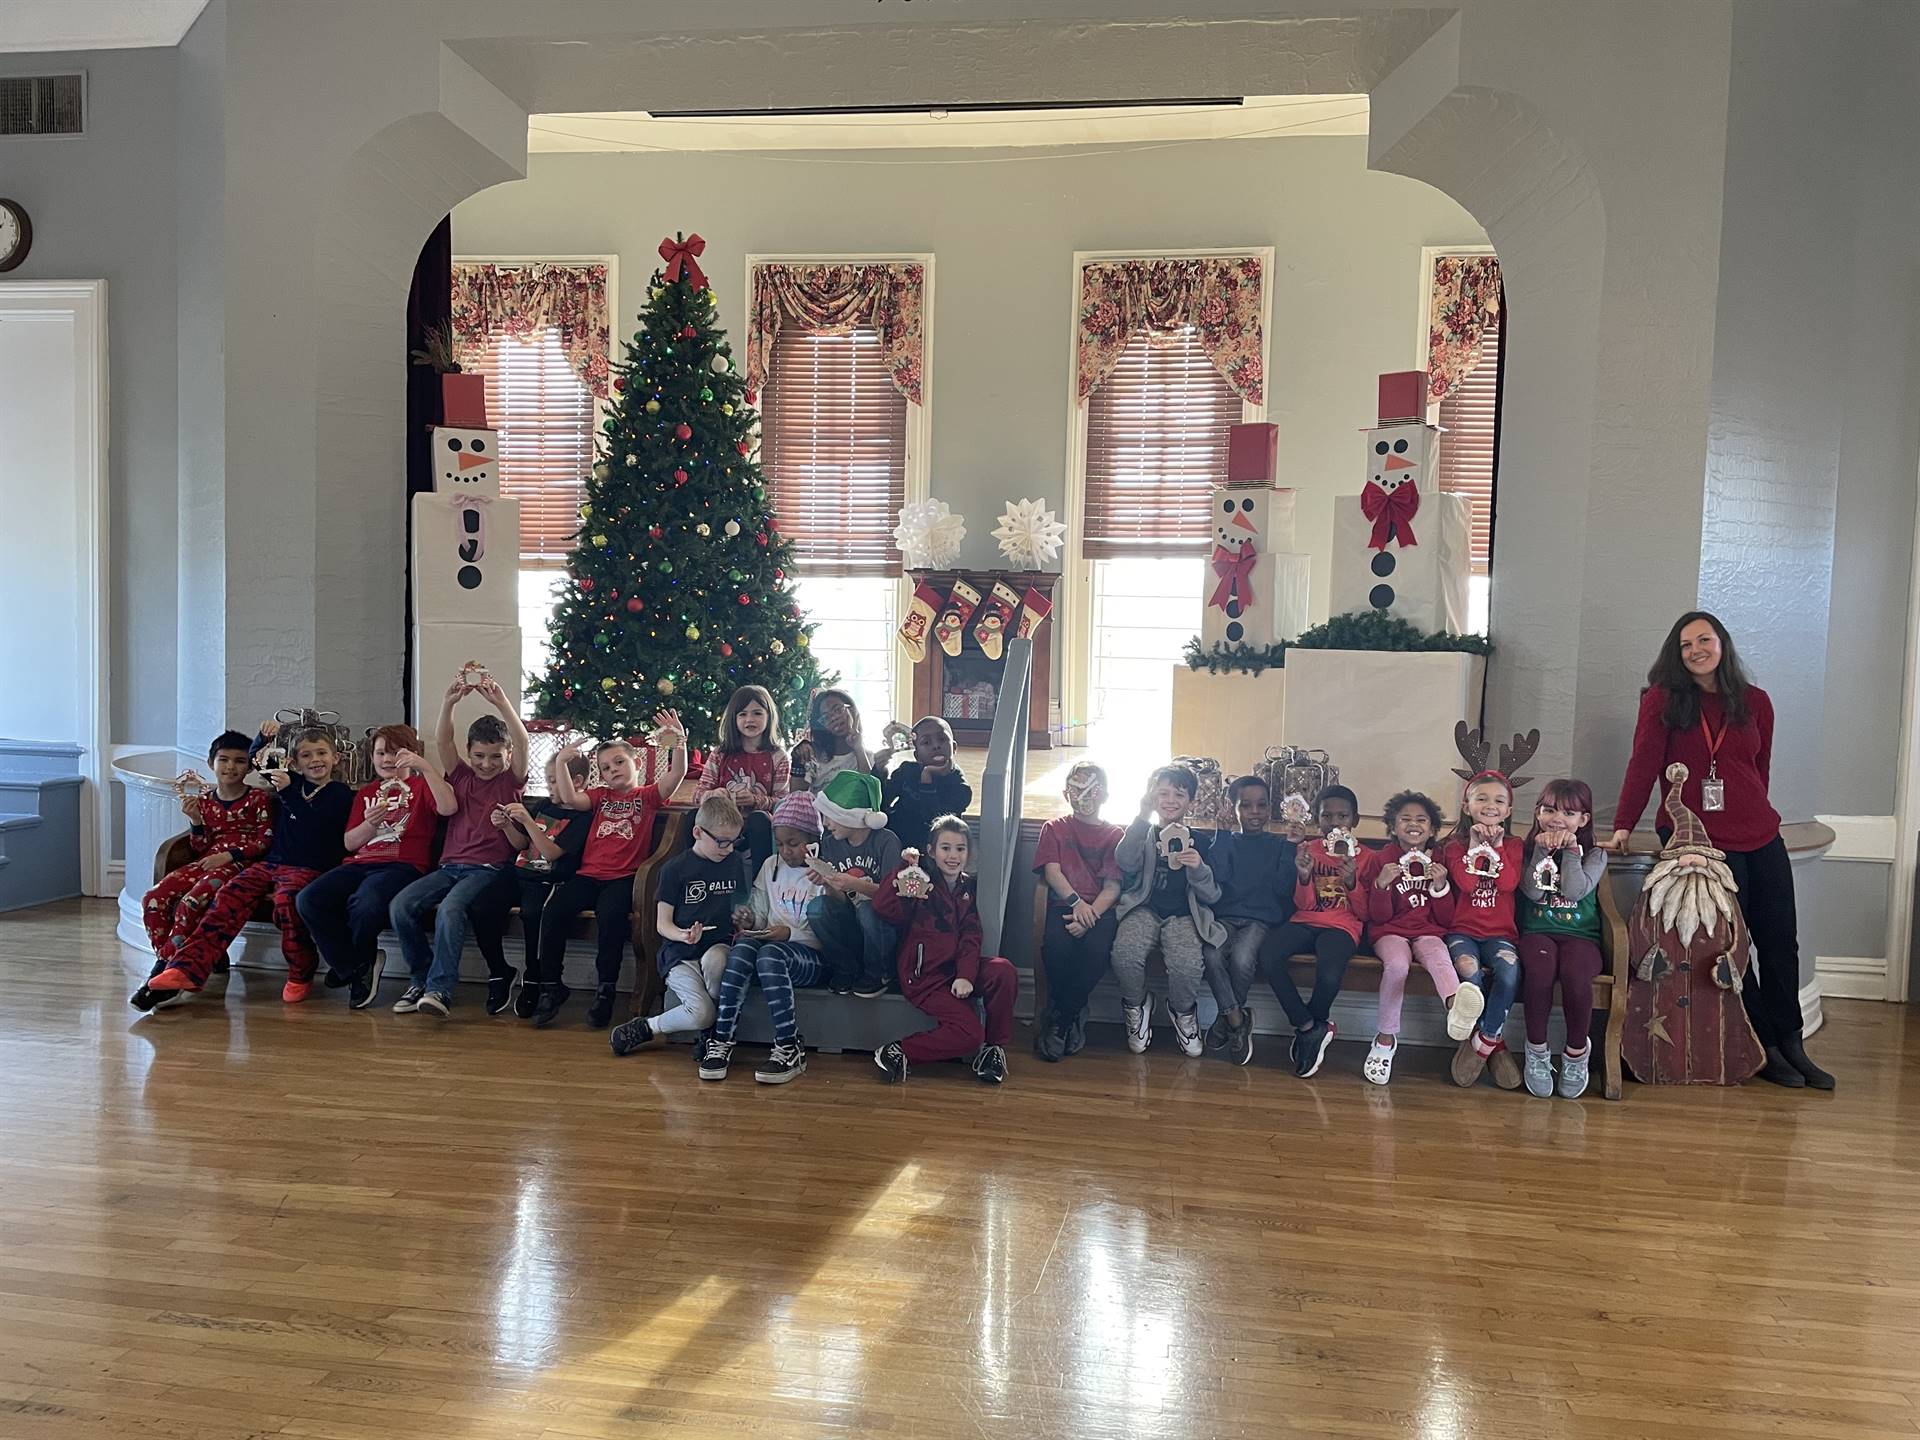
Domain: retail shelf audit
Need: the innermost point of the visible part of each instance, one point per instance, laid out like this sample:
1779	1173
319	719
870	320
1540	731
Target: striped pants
781	965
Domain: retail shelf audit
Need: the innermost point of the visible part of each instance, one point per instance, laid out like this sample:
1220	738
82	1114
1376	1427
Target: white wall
1002	227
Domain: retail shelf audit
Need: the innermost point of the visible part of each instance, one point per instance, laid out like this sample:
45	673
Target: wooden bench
1363	974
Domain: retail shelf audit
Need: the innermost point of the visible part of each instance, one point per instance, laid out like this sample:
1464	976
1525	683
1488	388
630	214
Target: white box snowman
1400	546
1255	582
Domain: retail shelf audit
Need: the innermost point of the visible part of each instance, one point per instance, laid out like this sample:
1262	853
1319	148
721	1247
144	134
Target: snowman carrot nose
1242	521
473	462
1394	462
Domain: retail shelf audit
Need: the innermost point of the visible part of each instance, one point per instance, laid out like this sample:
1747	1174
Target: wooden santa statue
1400	546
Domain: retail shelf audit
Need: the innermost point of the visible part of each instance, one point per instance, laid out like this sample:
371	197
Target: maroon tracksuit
940	943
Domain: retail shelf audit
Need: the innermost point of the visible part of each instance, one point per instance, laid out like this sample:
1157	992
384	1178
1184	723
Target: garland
1362	630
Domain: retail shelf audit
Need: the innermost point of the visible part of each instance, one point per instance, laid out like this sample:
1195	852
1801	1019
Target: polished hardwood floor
240	1219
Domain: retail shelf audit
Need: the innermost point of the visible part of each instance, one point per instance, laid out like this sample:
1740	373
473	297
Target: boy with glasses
699	891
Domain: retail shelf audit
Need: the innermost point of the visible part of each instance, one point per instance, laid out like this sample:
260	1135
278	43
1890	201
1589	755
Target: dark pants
1576	963
346	909
1765	878
1331	948
1074	964
757	836
493	912
612	904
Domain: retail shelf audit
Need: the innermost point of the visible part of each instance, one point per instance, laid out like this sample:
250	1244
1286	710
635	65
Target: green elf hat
853	800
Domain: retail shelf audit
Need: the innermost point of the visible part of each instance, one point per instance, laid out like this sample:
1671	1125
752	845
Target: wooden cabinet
962	688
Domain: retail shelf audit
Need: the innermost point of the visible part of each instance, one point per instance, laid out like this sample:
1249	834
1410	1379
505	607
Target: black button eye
453	443
1379	449
1399	447
479	446
1226	507
1247	505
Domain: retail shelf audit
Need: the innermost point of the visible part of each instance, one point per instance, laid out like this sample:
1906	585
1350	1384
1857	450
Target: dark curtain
429	307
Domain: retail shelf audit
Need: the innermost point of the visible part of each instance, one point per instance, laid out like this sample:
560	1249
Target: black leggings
528	890
1074	964
1765	878
612	904
1331	948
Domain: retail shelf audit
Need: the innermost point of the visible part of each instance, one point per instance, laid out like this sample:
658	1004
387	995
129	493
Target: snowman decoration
1255	584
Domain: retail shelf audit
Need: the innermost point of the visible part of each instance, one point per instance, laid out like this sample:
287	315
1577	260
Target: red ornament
772	523
743	447
753	397
726	651
636	605
566	692
761	538
683	430
679	477
586	583
620	384
654	532
687	334
778	573
746	600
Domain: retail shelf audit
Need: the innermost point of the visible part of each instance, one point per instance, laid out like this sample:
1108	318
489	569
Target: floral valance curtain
518	300
1466	301
1218	295
883	296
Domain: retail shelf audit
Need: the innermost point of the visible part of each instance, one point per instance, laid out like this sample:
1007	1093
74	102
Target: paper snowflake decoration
1029	535
929	535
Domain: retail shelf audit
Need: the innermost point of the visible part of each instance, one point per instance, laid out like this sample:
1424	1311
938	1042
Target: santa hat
796	812
853	800
1689	835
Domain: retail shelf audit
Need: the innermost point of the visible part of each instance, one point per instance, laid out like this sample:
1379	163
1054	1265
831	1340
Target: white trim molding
1852	977
1871	839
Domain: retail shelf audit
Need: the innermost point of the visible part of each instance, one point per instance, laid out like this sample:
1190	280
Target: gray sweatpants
695	987
1231	967
1139	935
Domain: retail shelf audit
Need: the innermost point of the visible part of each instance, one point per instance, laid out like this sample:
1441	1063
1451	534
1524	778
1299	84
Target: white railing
1001	788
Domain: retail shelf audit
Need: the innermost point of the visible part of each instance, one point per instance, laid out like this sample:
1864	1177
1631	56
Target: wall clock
16	234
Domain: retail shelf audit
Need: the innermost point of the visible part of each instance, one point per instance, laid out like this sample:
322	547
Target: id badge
1713	793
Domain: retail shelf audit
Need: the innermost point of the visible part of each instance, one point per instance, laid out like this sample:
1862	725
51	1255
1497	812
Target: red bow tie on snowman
1391	504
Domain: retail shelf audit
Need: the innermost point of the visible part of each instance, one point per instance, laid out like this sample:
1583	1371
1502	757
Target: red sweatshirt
243	827
939	936
1745	760
1405	908
1324	900
1484	909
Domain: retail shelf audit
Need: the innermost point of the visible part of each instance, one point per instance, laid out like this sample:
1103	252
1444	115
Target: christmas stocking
1034	609
991	629
920	613
951	627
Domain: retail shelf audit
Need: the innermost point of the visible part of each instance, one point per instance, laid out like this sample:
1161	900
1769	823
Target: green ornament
759	492
666	349
735	576
706	395
666	566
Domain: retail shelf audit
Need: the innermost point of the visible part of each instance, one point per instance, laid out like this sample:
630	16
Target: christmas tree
678	589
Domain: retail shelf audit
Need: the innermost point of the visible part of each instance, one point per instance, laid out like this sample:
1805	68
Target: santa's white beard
1688	900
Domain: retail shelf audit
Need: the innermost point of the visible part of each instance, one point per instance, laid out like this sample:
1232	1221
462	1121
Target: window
1144	612
1471	418
855	619
545	419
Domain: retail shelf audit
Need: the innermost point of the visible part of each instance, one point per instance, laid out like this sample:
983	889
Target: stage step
39	823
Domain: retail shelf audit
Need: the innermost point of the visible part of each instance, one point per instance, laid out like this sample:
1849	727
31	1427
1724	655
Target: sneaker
527	999
1539	1073
839	985
1240	1039
336	980
1077	1033
1314	1041
629	1037
1378	1069
783	1063
1186	1031
1049	1043
1219	1032
1573	1074
499	992
552	997
892	1061
1468	1063
294	991
1293	1051
1503	1067
600	1013
1139	1023
712	1056
870	989
409	1000
366	985
990	1063
1464	1013
435	1003
145	998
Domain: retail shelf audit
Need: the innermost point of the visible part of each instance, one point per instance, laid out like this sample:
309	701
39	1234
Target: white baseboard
1852	977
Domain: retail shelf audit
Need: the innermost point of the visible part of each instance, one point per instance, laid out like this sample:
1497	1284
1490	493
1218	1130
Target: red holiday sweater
1483	908
1745	760
1323	898
1405	908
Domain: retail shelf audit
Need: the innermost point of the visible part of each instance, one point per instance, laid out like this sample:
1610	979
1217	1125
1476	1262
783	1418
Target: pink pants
1396	962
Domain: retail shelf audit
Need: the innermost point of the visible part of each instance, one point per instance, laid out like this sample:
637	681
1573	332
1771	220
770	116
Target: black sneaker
410	999
499	992
335	979
600	1014
892	1061
366	985
527	1001
144	999
840	984
1219	1032
1311	1048
1077	1033
631	1036
783	1063
712	1057
870	989
434	1003
1050	1043
990	1065
1240	1039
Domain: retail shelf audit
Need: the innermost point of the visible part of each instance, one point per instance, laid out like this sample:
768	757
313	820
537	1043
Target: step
38	759
39	840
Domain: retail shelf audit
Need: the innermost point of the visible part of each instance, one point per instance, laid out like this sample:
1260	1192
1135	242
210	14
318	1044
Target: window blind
545	419
1469	448
1156	445
833	445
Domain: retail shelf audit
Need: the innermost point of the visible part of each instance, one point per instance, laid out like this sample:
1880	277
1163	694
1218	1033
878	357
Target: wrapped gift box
438	653
1253	453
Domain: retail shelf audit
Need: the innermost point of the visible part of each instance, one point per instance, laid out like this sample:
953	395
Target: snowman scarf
1392	515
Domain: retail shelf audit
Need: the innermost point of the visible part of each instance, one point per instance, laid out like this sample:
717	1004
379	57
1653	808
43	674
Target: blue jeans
782	965
347	908
859	946
455	889
1497	971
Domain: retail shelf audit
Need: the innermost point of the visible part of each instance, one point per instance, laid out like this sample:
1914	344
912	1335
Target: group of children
1485	914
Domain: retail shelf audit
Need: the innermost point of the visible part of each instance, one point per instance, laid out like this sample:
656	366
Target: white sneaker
1139	1023
1538	1073
1573	1074
1186	1032
1464	1013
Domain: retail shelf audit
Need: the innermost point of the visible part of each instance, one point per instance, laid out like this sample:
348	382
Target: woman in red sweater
1700	709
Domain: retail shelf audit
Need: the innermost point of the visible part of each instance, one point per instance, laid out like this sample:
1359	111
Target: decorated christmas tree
679	586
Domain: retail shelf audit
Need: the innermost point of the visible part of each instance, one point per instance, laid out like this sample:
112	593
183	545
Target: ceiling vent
42	104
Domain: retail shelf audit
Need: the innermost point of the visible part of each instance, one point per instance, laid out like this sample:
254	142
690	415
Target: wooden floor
241	1219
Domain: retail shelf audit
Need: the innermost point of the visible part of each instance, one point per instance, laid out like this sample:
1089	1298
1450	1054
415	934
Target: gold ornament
608	683
666	686
600	470
654	295
776	647
803	640
711	298
693	632
653	407
703	530
600	540
586	511
726	409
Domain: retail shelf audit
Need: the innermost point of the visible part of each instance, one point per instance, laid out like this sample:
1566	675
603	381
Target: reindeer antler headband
1475	749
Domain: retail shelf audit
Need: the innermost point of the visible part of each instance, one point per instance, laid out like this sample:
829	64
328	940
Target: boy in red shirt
1325	922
